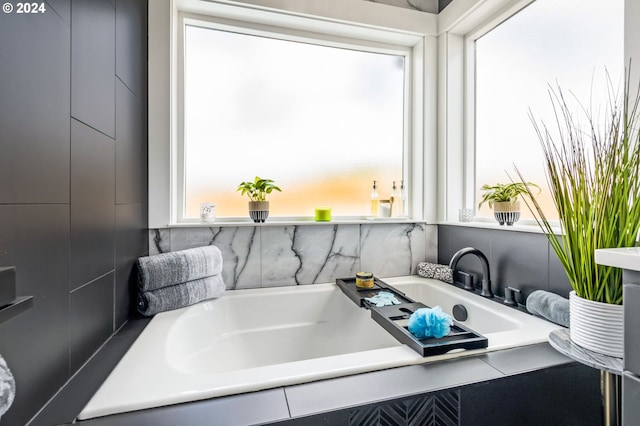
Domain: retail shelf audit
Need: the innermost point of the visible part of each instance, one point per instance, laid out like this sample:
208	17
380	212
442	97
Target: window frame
287	34
353	19
473	27
457	82
470	184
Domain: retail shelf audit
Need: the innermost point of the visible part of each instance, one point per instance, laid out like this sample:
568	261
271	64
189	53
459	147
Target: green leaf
502	192
258	189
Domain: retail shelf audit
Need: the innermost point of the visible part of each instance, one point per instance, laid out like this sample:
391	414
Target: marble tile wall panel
390	250
343	257
431	241
308	254
240	247
159	241
186	238
270	256
280	262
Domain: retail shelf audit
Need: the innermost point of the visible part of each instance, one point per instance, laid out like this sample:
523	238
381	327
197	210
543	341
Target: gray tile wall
631	297
522	260
630	397
72	184
631	376
271	255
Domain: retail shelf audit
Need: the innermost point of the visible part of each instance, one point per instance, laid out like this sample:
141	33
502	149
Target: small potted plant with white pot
257	191
503	198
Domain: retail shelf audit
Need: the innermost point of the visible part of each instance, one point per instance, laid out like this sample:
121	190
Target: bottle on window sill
397	201
375	200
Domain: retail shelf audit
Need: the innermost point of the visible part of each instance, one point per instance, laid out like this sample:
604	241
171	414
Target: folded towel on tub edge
168	269
180	295
549	306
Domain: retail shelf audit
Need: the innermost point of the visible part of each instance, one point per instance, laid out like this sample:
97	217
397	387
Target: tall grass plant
592	161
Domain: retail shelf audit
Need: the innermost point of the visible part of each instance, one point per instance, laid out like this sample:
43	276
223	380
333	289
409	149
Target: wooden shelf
19	306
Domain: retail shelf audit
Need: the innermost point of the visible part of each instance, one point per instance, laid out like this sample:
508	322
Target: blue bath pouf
429	322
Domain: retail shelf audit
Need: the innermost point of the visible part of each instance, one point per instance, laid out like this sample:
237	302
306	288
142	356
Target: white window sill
528	226
289	222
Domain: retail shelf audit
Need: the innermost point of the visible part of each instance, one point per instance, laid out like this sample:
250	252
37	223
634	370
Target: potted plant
257	192
593	171
503	197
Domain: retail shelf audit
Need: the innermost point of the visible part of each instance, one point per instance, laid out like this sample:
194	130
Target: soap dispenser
397	200
375	200
393	199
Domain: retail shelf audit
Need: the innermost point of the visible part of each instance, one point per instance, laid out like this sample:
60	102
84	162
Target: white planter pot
597	326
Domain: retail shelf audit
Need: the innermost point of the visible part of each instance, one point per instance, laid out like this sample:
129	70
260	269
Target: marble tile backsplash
270	256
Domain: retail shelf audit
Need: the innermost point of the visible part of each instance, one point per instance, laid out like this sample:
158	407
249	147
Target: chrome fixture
486	277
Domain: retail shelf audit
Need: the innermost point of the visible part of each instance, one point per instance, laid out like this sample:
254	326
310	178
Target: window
321	119
568	43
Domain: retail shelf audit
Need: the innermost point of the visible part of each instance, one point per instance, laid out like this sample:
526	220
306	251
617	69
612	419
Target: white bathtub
249	340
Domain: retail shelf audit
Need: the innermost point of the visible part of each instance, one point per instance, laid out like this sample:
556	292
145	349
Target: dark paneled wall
442	4
567	395
73	184
522	260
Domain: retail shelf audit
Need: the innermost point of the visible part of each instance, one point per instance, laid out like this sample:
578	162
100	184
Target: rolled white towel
7	387
549	306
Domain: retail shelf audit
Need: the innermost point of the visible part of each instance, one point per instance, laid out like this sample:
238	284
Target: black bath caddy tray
391	318
358	295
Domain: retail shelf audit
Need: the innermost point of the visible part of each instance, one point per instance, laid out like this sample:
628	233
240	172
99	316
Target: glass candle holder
465	215
208	212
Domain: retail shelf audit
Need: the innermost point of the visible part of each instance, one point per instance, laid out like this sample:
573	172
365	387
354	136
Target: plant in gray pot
257	192
503	197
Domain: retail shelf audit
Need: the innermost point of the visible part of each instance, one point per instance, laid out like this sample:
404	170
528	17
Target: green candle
323	214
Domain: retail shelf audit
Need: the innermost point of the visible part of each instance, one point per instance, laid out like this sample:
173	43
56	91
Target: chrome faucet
486	277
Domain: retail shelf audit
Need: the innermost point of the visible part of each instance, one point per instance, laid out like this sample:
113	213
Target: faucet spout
486	276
